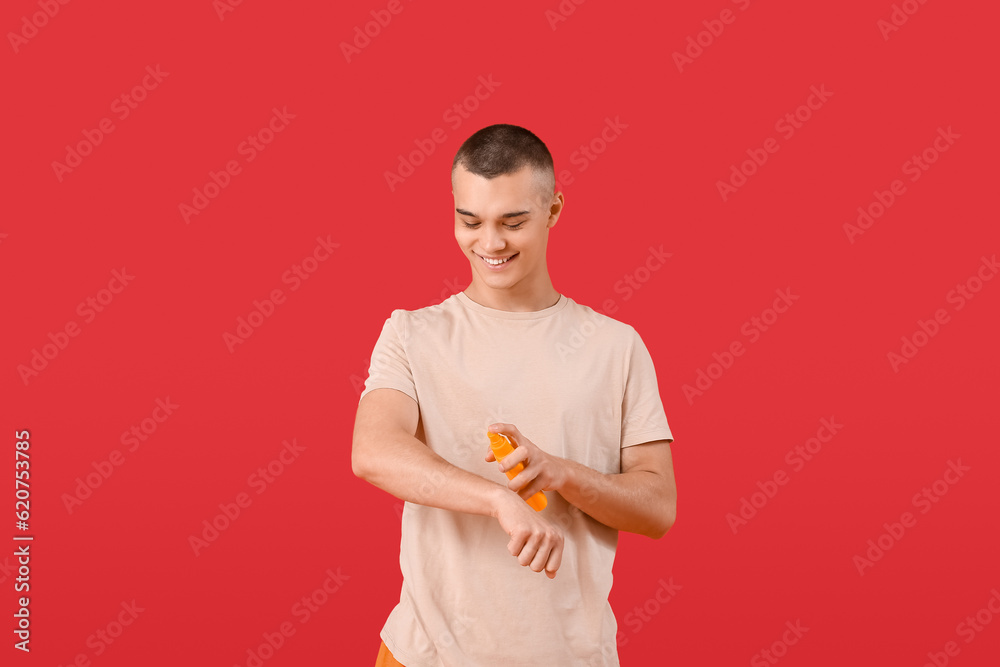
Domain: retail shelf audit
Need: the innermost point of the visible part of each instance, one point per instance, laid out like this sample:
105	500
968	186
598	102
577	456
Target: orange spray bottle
501	447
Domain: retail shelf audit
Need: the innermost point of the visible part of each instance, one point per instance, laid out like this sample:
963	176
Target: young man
575	391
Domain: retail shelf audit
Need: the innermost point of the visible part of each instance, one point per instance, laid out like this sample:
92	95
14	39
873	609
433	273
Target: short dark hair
501	149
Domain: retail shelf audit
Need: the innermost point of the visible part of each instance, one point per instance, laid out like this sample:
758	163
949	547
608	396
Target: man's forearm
634	501
402	465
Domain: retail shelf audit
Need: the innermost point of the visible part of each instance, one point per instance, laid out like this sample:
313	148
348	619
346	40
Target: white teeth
495	262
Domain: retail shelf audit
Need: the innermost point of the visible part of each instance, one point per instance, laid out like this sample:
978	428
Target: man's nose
493	240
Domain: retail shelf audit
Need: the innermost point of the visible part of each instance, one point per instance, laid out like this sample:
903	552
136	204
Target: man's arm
387	453
641	499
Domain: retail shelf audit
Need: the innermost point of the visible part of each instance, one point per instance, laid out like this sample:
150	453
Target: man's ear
555	209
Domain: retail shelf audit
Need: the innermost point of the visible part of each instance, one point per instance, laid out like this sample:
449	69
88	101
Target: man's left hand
542	471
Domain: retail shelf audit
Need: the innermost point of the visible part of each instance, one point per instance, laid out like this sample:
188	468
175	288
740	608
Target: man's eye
517	226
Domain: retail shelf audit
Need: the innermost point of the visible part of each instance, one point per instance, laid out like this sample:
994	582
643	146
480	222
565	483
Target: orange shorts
385	658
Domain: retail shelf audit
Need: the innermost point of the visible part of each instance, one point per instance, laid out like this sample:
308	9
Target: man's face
505	218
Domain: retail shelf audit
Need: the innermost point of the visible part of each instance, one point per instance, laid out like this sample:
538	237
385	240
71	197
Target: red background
297	375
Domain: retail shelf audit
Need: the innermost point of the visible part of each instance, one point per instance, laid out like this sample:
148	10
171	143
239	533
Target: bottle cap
500	444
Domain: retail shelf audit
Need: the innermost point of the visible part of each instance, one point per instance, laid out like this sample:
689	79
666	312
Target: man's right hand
533	540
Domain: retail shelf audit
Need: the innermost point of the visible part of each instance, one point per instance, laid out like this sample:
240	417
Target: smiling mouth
497	262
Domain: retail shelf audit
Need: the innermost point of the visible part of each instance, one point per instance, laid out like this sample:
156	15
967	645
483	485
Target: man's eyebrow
515	214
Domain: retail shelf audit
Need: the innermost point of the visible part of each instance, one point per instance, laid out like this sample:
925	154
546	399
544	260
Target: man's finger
515	457
530	489
529	552
543	554
515	485
555	559
516	544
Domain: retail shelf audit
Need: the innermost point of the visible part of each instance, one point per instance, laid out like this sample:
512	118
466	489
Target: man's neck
502	300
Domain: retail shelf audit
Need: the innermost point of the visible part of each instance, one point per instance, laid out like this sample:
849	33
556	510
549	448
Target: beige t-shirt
579	385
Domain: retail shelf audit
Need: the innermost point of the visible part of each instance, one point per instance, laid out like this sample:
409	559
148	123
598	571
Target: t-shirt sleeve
389	367
643	418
